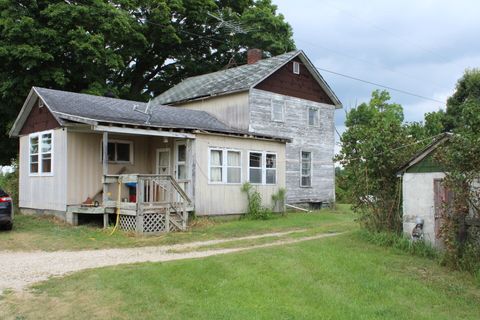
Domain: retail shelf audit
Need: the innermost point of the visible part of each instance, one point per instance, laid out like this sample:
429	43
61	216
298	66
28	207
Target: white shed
423	193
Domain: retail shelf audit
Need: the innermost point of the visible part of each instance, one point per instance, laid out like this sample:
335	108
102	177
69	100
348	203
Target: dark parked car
6	211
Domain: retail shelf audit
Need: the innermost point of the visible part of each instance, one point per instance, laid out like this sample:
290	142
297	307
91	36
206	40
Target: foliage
9	183
133	48
278	200
255	210
462	164
400	242
341	188
374	146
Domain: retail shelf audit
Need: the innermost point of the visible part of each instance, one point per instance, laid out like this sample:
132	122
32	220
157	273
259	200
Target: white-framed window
296	67
278	110
306	169
181	161
41	153
313	117
270	168
262	167
119	151
225	166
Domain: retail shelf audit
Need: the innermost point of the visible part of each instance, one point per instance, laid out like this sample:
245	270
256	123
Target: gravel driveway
21	269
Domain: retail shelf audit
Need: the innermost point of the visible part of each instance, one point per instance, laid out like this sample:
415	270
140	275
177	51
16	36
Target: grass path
21	269
340	277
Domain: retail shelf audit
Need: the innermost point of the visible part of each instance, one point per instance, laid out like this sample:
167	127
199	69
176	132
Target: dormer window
296	67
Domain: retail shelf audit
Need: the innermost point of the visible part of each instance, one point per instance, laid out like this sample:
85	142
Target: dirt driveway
21	269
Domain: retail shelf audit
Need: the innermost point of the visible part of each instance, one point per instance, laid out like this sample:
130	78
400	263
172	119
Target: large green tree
461	160
133	48
375	144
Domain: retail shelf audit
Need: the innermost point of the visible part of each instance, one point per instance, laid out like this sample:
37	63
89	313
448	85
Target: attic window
296	67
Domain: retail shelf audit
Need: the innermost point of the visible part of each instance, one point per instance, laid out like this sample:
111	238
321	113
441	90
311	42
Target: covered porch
146	185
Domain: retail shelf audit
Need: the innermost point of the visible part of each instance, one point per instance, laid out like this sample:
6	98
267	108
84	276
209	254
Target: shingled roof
85	108
236	79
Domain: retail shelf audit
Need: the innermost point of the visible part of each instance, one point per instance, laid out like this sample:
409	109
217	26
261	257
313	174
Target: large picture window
225	166
262	168
306	174
40	153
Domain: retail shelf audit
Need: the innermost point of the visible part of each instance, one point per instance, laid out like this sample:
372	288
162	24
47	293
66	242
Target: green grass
37	233
343	277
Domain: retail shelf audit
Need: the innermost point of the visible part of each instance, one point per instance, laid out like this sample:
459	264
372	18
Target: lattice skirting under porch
147	223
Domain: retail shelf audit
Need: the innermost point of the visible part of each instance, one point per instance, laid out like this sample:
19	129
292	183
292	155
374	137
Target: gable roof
89	109
237	79
422	154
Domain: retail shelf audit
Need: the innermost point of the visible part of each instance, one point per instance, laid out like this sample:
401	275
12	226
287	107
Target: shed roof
237	79
425	152
90	109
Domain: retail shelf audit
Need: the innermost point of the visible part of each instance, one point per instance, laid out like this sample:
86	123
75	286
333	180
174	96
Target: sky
422	47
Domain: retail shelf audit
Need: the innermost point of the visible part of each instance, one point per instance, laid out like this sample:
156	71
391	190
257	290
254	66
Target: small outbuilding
423	193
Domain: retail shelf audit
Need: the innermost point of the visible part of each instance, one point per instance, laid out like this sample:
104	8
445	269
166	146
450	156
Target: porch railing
159	203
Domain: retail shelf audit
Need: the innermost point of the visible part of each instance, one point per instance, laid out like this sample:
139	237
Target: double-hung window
262	168
278	110
306	170
313	117
225	166
40	153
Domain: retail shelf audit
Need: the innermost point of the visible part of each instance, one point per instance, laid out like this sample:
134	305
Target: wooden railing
157	196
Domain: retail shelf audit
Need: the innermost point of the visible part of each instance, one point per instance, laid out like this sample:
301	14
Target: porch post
105	173
191	166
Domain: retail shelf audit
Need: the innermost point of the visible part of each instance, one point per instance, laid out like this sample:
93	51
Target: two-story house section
284	96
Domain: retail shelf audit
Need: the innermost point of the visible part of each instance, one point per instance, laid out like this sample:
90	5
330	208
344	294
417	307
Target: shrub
255	210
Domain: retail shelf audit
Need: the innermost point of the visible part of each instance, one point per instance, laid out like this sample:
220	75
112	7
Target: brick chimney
254	55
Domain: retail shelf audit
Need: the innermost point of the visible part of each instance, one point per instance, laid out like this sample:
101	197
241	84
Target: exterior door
442	199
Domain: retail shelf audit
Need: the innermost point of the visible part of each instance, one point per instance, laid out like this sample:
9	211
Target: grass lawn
340	277
37	233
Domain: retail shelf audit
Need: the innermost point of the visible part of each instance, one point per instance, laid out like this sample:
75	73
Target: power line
326	70
381	85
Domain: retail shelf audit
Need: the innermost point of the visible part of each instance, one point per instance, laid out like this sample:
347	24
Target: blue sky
417	46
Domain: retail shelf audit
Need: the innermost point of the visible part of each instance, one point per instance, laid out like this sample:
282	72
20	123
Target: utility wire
380	85
327	70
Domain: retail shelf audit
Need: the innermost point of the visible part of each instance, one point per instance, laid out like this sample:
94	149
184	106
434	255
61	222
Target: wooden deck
160	205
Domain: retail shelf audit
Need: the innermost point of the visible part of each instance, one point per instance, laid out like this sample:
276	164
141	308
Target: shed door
442	198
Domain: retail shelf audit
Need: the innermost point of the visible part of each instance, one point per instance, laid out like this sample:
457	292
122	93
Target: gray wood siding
319	140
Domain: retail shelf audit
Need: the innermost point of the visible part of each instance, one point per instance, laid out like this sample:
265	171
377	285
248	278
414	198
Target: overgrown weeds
399	242
255	210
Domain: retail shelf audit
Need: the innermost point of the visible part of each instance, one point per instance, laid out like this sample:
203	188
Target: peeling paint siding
319	140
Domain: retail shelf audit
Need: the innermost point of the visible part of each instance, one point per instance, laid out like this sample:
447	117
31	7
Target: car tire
9	227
